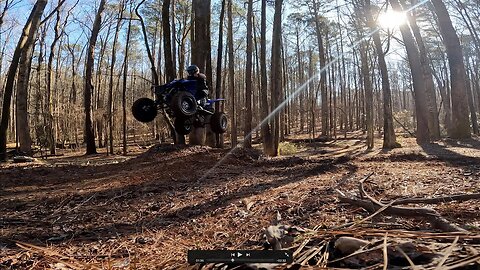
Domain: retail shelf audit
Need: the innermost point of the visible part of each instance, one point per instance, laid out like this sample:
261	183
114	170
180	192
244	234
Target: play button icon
239	255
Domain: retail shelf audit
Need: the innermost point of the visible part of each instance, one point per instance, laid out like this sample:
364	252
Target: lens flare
391	19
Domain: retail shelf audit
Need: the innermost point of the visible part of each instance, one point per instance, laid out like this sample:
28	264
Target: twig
372	215
82	203
385	253
404	128
464	263
448	252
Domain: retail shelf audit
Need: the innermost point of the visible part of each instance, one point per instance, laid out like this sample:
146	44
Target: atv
179	100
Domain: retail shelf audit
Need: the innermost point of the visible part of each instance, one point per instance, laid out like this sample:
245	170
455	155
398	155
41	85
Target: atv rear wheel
144	110
219	122
184	104
183	126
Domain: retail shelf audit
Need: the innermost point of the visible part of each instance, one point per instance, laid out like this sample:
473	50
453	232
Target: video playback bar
240	256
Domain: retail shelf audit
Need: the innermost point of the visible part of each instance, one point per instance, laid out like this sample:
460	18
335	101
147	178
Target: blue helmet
191	70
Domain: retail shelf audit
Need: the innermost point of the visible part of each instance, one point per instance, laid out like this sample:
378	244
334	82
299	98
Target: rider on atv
184	101
202	87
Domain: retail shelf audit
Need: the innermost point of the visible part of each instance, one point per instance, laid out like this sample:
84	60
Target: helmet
191	70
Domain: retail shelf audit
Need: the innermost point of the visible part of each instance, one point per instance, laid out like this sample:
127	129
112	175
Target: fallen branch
372	205
437	221
451	198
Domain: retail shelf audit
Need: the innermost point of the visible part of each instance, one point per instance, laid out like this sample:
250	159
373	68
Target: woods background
71	75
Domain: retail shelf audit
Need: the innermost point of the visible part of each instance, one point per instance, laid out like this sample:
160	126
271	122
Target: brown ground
146	210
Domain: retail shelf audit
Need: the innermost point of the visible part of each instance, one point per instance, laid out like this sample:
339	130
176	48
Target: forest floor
144	211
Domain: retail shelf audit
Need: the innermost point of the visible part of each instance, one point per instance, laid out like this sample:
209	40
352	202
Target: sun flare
391	19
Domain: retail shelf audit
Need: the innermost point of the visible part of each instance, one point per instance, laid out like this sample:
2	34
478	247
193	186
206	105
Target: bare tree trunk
88	88
367	85
25	39
276	72
471	104
124	89
167	42
50	120
174	32
268	146
460	122
231	76
200	56
389	139
218	83
247	128
323	75
433	122
110	84
423	133
22	120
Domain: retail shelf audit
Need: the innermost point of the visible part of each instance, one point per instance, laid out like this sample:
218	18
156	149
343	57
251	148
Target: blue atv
179	100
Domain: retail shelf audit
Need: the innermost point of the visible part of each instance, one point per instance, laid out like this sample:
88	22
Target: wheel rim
187	105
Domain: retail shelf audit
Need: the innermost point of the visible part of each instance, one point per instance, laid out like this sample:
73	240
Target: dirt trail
147	211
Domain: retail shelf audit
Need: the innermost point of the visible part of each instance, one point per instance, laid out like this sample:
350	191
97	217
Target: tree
124	87
276	72
231	75
432	111
49	112
323	75
88	86
389	139
200	52
268	146
25	40
423	134
460	122
121	9
167	42
248	79
218	83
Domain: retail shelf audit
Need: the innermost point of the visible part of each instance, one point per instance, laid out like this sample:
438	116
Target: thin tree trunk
174	32
323	75
50	120
88	88
124	90
367	85
110	84
276	72
248	79
389	139
218	83
231	75
167	42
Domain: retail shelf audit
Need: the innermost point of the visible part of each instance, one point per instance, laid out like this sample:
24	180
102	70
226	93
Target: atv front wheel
182	126
219	122
184	104
144	110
